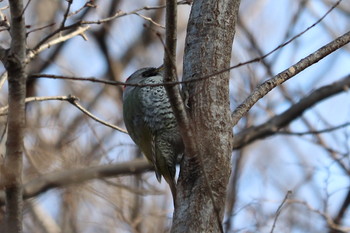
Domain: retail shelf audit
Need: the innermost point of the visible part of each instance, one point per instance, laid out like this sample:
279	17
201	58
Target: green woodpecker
151	123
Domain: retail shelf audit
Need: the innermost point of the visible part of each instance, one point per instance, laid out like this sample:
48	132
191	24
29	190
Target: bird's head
143	73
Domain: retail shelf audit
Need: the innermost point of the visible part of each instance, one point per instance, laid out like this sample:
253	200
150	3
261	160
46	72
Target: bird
151	123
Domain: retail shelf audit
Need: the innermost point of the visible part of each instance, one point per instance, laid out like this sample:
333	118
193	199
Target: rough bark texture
14	64
210	33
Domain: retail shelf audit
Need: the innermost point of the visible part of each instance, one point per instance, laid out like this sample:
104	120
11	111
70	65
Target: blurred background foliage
314	167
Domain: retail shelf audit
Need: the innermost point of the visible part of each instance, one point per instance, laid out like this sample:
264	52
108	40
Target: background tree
81	176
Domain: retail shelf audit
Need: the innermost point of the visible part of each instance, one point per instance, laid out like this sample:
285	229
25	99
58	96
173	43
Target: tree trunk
210	33
12	170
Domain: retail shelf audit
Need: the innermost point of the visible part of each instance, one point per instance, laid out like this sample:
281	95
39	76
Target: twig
327	130
258	93
257	59
116	15
331	224
25	8
272	126
150	20
100	21
71	99
34	52
40	28
89	79
135	12
60	29
342	210
81	108
279	210
305	30
264	88
65	16
87	4
3	110
121	13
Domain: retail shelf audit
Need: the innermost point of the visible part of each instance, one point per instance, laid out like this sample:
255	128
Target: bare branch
150	20
75	176
325	216
90	4
264	88
279	210
26	6
65	16
41	28
74	101
342	210
89	79
275	123
327	130
76	104
4	110
60	39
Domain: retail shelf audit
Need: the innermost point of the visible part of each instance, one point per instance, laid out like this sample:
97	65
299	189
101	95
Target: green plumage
151	123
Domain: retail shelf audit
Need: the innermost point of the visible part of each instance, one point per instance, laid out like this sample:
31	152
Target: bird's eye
150	72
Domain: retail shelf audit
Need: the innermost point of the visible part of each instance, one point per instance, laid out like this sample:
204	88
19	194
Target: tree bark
12	170
210	33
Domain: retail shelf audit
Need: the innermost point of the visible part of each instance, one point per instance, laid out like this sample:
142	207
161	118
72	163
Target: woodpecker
151	123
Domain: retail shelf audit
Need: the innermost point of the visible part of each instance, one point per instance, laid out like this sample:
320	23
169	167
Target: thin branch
150	20
115	16
258	93
74	176
134	12
4	110
264	88
81	22
71	99
327	130
60	29
89	79
279	210
257	59
325	216
302	32
25	8
41	28
81	108
34	52
89	4
120	14
342	210
65	16
272	126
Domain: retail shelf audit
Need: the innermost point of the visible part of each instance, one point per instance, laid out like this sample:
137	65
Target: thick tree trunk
209	40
